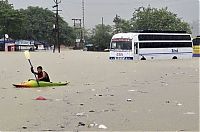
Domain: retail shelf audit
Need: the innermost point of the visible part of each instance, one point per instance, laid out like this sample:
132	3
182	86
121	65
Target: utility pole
80	29
4	32
83	28
102	22
57	2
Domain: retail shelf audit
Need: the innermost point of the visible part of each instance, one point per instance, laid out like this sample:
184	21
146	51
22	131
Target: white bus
151	45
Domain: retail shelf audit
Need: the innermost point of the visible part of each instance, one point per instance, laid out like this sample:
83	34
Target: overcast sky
188	10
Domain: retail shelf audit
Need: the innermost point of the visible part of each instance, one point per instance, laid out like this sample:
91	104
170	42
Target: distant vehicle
89	47
196	47
151	45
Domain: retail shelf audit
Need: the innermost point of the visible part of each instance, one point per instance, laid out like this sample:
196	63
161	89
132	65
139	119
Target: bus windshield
196	41
121	45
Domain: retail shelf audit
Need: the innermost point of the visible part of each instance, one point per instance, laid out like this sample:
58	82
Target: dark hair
39	67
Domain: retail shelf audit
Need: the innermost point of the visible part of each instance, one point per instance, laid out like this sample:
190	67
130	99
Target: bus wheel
143	58
174	58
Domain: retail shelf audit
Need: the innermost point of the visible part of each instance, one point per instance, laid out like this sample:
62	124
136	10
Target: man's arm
32	70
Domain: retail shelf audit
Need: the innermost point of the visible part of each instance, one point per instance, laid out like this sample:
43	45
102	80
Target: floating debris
105	110
80	114
92	111
111	104
92	89
24	127
40	98
167	102
129	100
58	99
92	125
89	84
132	90
81	124
98	95
142	92
62	126
179	104
189	113
102	127
49	130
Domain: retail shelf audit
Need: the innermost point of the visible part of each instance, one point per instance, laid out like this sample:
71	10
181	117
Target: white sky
96	9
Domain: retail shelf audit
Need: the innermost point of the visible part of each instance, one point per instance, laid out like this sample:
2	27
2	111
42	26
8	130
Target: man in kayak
41	75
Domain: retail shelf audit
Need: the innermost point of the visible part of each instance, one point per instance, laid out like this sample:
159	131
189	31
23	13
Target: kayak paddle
27	55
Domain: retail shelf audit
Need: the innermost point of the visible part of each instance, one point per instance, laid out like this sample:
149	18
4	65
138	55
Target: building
7	45
24	45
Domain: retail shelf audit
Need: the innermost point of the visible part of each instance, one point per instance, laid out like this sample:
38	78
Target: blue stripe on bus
167	53
196	55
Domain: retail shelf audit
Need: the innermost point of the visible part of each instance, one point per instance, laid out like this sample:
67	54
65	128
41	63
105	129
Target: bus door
135	48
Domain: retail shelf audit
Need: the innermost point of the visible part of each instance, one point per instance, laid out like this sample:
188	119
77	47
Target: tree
33	23
10	20
157	19
101	36
151	19
39	23
121	25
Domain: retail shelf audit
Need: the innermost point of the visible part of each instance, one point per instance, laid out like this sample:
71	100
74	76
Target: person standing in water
41	75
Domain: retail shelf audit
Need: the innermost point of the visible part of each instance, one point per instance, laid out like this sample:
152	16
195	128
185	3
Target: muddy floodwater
103	95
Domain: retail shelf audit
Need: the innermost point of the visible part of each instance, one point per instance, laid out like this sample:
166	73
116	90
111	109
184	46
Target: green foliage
101	36
67	34
121	25
39	23
157	19
33	23
151	19
10	20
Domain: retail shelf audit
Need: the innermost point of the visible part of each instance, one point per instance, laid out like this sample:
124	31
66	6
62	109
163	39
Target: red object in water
40	98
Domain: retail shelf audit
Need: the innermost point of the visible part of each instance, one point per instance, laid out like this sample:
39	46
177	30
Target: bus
151	45
196	47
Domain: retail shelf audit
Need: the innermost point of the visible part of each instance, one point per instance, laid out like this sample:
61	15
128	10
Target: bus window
150	37
113	45
165	44
121	45
196	41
